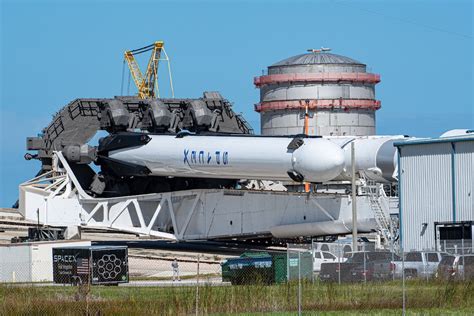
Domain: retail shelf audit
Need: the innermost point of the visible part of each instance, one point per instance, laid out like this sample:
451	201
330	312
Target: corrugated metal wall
426	189
464	180
426	192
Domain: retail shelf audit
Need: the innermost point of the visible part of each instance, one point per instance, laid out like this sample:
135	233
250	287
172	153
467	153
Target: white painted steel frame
57	199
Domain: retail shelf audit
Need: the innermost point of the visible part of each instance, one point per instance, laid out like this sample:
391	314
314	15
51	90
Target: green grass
453	298
170	278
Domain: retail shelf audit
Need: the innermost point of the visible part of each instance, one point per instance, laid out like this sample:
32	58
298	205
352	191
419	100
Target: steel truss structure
56	198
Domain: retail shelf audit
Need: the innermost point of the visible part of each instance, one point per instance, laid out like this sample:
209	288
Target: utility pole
197	286
354	196
306	132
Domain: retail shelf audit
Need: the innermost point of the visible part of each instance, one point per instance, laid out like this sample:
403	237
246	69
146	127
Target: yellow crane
147	84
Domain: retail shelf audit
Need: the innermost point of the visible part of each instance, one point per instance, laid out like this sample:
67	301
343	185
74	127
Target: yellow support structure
151	75
148	84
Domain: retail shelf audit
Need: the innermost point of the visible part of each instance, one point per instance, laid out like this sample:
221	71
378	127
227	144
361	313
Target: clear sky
55	51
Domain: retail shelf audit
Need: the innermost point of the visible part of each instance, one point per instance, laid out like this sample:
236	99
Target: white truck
417	264
320	257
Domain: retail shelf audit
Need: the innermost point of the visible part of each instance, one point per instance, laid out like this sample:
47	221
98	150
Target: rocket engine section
311	159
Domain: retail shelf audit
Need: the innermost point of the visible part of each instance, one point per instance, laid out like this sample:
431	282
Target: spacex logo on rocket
205	157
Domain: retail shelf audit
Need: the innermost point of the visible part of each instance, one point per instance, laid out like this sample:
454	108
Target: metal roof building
436	188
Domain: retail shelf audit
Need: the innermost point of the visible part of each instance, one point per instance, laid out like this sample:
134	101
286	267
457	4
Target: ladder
380	208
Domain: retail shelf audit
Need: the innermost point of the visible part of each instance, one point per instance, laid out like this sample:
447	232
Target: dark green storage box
301	264
263	267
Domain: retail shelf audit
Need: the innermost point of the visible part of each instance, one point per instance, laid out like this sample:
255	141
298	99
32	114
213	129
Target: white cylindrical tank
375	156
236	157
337	90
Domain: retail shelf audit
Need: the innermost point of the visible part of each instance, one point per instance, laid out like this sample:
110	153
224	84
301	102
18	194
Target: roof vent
322	49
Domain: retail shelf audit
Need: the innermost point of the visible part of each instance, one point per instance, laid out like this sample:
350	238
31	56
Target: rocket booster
310	159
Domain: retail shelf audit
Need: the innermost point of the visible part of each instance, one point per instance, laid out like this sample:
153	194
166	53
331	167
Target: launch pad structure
150	190
56	198
68	193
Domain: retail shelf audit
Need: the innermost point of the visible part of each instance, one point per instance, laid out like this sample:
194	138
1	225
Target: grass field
322	299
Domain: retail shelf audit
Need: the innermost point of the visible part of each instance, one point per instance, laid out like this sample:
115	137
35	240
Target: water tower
336	90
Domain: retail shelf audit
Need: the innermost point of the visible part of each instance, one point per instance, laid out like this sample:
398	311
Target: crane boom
151	76
148	84
135	71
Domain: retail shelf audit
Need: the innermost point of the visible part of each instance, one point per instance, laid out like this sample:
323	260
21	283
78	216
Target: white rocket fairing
236	157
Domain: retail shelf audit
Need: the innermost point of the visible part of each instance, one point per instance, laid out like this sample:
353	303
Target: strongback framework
78	122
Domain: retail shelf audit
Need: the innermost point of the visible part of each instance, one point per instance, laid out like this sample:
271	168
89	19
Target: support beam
354	199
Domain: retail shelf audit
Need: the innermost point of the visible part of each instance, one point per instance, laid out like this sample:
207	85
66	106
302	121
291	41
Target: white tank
457	132
235	157
337	90
375	156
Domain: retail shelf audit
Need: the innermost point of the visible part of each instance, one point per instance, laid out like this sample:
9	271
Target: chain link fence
178	269
298	278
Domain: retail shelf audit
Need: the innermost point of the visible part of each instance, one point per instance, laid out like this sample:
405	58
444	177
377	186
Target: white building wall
31	262
41	258
427	191
464	181
15	264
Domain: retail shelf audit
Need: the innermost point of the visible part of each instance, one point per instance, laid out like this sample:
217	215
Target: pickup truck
446	268
418	264
335	271
456	267
319	257
464	267
365	272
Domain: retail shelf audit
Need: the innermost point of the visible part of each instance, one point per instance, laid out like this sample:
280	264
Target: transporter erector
190	169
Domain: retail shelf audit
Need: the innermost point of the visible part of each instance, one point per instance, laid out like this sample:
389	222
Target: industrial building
436	187
336	90
31	261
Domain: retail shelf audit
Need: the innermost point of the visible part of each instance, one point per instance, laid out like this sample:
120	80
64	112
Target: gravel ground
156	264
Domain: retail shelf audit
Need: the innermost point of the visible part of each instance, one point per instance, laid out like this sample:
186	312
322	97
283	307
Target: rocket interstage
310	159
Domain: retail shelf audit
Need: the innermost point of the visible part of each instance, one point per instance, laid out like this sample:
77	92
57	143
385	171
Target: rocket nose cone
319	160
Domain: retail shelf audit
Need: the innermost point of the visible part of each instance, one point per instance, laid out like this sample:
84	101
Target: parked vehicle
464	267
422	264
335	271
320	257
368	272
446	267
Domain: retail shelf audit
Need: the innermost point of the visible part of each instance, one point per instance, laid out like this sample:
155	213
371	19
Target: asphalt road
211	247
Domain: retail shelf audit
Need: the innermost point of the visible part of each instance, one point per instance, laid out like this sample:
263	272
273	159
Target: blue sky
55	51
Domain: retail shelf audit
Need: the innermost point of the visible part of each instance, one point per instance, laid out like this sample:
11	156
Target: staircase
379	203
243	124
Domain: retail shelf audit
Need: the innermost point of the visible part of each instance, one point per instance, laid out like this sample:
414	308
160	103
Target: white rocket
300	158
308	159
